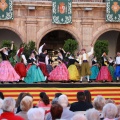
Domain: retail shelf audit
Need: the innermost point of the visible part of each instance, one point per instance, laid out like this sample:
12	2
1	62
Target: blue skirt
117	71
112	72
34	74
94	72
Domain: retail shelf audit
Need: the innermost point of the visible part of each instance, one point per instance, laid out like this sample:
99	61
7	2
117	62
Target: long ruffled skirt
34	74
7	72
60	73
104	74
112	72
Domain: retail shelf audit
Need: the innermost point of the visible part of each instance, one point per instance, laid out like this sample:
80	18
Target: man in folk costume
85	67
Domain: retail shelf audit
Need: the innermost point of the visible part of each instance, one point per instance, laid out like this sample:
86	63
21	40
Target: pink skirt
104	74
60	73
7	72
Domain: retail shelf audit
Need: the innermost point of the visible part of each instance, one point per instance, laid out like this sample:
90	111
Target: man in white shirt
85	67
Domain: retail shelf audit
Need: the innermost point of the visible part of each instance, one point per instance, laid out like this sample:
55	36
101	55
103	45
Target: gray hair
92	114
8	104
99	102
36	114
63	100
79	117
110	111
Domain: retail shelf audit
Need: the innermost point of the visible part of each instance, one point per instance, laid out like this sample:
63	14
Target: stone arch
105	28
14	30
70	29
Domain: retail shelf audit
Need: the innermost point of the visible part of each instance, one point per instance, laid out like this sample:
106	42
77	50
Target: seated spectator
8	110
98	104
109	101
92	114
118	113
109	111
79	117
88	96
56	111
25	104
66	114
81	105
1	96
36	114
44	100
1	103
55	100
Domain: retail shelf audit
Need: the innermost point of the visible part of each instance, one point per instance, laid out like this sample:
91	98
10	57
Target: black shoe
117	80
2	82
89	81
80	81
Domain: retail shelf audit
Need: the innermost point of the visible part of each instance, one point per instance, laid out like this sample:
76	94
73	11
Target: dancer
94	69
104	74
85	67
7	72
42	58
111	68
34	73
72	69
60	73
117	69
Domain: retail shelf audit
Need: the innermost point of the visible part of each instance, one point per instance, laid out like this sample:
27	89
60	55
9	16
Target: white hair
79	117
63	100
92	114
110	111
36	114
1	103
8	104
99	102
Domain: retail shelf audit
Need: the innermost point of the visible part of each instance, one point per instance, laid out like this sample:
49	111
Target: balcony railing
51	0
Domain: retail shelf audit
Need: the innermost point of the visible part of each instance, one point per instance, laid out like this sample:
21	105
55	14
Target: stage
107	89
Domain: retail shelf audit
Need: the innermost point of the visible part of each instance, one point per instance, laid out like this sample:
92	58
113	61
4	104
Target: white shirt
85	54
117	60
46	60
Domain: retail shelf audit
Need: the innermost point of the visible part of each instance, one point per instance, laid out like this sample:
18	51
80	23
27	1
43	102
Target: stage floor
107	89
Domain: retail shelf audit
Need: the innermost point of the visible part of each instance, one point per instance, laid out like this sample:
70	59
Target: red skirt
43	68
104	74
20	69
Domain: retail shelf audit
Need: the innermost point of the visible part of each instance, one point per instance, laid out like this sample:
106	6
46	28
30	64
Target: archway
55	39
113	37
6	34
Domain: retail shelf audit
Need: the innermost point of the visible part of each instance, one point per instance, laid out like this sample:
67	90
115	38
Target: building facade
33	21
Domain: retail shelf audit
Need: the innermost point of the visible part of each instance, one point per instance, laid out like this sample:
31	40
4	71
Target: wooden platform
108	90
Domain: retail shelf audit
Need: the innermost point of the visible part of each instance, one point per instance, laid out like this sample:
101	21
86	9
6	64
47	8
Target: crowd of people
39	66
59	108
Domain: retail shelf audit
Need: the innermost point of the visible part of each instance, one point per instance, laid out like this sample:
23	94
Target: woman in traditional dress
104	74
20	67
72	69
94	69
111	68
34	73
7	72
60	73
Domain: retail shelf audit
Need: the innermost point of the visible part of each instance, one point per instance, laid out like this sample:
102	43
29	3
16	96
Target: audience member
109	111
92	114
25	104
109	101
79	117
55	100
88	96
1	95
8	110
1	103
36	114
81	105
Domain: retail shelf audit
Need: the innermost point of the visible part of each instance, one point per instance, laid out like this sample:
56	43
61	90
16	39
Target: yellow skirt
73	73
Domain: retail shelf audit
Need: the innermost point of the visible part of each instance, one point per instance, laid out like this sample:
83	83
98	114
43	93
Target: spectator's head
1	95
26	103
8	104
92	114
110	111
44	98
63	100
99	102
57	94
36	114
88	96
56	111
118	113
81	96
1	103
79	117
109	101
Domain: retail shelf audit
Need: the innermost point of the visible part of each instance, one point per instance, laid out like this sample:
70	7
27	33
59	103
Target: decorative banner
113	10
62	11
6	10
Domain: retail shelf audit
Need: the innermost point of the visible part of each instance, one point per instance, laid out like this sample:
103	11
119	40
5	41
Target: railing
51	0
